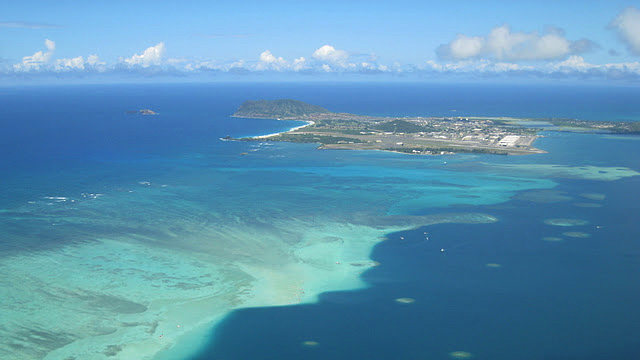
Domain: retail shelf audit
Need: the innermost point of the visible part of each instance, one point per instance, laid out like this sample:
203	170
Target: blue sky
288	39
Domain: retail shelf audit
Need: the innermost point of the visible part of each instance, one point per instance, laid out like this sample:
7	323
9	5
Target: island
413	135
142	112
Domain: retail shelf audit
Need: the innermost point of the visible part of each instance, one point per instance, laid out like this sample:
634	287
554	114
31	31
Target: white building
509	140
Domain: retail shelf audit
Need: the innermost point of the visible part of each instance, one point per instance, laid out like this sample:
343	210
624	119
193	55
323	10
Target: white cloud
151	56
76	63
94	60
213	65
330	54
42	61
577	64
503	44
237	64
464	47
573	63
269	61
267	57
51	45
627	23
299	64
38	60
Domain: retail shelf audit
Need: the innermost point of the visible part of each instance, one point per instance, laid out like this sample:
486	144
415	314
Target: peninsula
413	135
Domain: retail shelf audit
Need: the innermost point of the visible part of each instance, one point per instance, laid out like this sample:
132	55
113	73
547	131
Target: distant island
142	112
414	135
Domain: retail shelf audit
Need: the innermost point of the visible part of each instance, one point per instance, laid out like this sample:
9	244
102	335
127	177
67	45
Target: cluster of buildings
481	131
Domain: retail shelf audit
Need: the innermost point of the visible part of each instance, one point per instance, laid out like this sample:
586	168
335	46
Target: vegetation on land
283	108
415	135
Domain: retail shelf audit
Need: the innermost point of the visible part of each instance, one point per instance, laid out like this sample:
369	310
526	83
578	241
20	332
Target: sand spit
308	123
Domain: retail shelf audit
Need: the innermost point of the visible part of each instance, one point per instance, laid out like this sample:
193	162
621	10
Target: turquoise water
124	235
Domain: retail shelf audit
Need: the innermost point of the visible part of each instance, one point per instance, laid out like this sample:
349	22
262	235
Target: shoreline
308	123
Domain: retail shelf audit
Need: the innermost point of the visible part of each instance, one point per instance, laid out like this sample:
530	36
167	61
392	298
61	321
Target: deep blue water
570	300
575	299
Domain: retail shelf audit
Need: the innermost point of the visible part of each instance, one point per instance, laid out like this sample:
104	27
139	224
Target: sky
414	40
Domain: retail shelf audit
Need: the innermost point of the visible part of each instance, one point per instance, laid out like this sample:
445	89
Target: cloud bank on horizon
500	52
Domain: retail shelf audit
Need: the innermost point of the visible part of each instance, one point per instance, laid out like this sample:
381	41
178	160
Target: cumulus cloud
269	61
151	56
627	24
267	57
573	63
299	64
94	60
237	64
502	44
76	63
330	54
369	67
38	60
43	62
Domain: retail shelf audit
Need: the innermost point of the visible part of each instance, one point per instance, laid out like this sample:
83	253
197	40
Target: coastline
308	123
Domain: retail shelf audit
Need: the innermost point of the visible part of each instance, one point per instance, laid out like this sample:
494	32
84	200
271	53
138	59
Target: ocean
148	237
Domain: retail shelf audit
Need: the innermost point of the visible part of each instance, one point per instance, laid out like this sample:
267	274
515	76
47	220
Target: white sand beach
308	123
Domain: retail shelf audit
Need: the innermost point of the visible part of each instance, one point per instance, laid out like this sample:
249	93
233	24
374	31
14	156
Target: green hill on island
282	108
